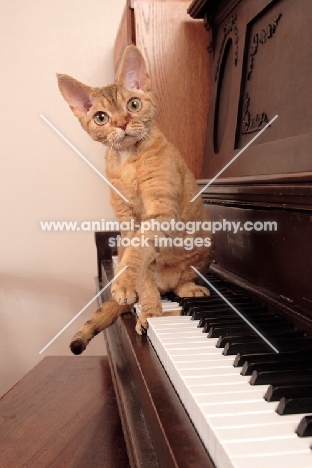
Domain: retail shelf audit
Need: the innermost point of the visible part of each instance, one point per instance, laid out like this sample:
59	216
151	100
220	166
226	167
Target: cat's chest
122	171
122	157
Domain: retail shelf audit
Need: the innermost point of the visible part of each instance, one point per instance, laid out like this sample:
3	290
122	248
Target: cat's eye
100	118
134	105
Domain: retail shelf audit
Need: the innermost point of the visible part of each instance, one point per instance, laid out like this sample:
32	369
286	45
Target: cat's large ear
77	95
133	74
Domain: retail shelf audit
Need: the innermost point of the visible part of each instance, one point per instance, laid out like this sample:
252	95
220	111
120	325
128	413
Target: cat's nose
122	124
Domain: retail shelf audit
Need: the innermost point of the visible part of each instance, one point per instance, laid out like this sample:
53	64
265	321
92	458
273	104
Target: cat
151	173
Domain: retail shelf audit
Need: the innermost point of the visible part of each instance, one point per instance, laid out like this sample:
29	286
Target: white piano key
237	426
176	328
207	372
277	460
171	306
207	344
215	389
190	348
232	408
191	337
203	357
252	420
201	365
244	448
217	398
159	322
279	428
228	379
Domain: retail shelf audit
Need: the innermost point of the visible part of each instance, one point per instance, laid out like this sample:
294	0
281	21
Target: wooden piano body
260	66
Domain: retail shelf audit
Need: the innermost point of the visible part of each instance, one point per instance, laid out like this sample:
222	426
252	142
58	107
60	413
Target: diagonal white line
233	159
237	311
83	157
82	310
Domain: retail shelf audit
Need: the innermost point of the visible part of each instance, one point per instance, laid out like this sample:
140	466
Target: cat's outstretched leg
103	318
149	301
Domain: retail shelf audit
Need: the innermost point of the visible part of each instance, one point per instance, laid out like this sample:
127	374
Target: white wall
46	278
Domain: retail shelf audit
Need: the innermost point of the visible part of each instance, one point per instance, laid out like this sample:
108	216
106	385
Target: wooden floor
62	414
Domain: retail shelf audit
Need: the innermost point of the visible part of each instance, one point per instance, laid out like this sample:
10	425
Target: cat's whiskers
148	136
145	136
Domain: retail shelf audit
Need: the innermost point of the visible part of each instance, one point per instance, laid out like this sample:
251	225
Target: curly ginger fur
151	173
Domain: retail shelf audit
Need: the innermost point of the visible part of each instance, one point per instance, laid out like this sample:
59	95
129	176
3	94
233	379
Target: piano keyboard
206	351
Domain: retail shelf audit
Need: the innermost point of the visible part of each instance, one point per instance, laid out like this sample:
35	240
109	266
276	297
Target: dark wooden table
62	414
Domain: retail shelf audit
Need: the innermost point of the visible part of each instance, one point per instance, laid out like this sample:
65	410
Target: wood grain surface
62	414
174	47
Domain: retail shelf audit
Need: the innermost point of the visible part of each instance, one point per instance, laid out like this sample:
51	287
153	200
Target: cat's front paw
141	326
124	289
192	290
142	323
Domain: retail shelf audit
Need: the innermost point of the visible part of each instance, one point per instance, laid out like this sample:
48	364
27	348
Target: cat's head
118	115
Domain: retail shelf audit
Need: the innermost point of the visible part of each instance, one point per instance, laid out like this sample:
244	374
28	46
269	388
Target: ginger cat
150	172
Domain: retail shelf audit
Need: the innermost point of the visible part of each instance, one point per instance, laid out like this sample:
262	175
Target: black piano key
202	321
294	406
269	326
216	329
226	319
241	358
215	298
264	326
232	349
260	318
190	309
215	316
249	337
254	347
218	312
304	428
213	279
216	304
210	311
189	301
247	312
198	313
279	377
276	392
249	367
175	299
296	344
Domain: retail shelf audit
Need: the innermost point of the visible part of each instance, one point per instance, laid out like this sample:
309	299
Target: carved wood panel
270	74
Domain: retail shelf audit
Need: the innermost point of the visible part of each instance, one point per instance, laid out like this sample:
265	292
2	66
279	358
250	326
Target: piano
205	389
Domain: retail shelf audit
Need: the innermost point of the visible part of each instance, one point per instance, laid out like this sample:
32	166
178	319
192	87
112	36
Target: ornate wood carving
261	37
231	26
252	123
